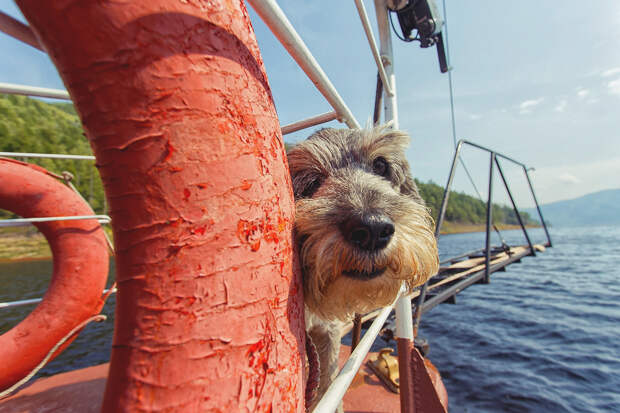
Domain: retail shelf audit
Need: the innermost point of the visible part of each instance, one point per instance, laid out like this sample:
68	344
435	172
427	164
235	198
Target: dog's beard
330	264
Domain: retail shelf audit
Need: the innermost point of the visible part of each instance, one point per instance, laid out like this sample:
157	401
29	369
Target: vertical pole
404	316
174	99
514	207
357	331
390	104
376	116
440	217
542	220
487	259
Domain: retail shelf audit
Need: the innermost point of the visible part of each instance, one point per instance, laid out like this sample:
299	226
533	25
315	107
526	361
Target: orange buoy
175	101
80	267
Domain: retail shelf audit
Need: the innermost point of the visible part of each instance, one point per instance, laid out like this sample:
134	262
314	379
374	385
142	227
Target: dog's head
360	224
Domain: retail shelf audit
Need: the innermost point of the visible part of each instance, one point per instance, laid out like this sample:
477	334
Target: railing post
542	220
514	206
440	217
487	259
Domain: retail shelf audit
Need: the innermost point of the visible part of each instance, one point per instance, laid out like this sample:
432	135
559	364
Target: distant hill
598	208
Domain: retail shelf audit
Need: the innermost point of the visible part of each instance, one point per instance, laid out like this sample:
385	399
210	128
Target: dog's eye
381	167
312	187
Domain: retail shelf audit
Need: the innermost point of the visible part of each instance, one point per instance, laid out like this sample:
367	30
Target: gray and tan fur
361	229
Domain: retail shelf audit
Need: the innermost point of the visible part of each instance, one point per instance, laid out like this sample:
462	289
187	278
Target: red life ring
80	266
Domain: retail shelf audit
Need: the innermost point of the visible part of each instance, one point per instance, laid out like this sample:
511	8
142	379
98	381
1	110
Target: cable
453	118
445	16
396	31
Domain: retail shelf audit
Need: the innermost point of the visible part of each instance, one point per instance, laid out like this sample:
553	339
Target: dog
361	230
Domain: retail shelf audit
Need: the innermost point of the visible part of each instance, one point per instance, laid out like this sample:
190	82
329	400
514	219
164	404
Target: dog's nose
370	232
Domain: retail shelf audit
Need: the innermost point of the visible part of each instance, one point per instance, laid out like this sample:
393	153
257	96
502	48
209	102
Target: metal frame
19	303
22	222
307	123
420	304
278	23
494	160
34	91
335	392
361	10
46	155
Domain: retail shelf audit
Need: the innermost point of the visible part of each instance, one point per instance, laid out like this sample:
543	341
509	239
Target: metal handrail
500	155
278	23
19	303
337	389
21	222
307	123
361	10
43	92
444	204
46	155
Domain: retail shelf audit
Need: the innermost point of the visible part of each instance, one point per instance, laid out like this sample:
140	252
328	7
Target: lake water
544	336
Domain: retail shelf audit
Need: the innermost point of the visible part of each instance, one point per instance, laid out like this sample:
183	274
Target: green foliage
465	209
30	125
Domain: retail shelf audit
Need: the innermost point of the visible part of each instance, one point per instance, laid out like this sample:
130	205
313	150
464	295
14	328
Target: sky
536	80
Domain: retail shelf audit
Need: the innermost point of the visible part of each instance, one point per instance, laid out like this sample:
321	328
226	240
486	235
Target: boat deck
81	391
463	272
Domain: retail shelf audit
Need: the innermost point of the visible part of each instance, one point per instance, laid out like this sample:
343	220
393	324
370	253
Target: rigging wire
452	117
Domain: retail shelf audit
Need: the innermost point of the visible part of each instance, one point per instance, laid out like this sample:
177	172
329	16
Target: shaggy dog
361	228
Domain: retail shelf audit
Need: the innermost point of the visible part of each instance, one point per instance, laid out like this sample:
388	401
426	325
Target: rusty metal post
514	207
487	257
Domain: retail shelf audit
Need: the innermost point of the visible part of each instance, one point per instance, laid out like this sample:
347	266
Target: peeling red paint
169	152
246	185
174	98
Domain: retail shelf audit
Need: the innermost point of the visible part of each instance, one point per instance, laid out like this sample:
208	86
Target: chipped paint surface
174	98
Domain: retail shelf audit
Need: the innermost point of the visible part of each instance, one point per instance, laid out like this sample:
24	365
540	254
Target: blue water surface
543	336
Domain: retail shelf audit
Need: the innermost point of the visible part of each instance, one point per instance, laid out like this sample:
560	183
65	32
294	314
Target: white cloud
568	178
555	183
614	87
527	105
561	106
582	93
473	116
611	72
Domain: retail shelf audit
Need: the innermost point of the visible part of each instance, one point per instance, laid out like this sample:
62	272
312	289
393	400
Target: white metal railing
21	222
337	389
278	23
307	123
19	303
46	155
361	10
34	91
